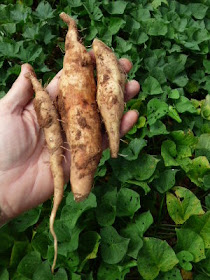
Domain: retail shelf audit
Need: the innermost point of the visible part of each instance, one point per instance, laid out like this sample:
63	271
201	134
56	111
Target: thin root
64	158
124	141
65	148
60	120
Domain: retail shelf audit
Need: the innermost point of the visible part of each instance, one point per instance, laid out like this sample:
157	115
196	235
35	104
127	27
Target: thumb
21	91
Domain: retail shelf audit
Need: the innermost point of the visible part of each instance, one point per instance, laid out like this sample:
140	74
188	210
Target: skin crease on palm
25	176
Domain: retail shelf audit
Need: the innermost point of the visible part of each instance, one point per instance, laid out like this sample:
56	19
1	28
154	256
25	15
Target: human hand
25	175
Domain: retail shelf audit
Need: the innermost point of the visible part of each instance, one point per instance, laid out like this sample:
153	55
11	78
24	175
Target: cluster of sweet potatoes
81	107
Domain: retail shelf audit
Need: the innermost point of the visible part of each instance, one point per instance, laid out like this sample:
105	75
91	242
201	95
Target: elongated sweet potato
48	119
110	92
79	112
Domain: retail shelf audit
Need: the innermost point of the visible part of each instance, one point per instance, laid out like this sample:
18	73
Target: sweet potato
110	92
48	120
79	112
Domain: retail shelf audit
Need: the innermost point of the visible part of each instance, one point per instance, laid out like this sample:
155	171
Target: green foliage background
148	215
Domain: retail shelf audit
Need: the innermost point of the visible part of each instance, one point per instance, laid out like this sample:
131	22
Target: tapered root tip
67	19
29	75
35	83
52	219
80	197
114	154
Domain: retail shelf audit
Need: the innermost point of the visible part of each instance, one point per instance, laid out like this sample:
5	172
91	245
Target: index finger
53	87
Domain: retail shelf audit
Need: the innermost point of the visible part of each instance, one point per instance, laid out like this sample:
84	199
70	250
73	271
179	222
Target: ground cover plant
148	216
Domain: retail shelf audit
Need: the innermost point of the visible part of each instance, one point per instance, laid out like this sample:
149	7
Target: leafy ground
148	216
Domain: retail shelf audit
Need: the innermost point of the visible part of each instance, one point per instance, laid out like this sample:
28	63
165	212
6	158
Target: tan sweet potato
79	112
110	92
48	119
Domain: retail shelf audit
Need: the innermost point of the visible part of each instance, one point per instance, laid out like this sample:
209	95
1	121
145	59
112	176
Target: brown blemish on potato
82	122
78	135
105	78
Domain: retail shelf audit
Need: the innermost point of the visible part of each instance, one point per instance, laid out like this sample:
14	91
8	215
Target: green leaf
74	3
173	114
114	272
31	53
19	13
60	275
132	151
139	37
203	146
198	169
88	246
157	3
166	180
182	204
204	265
135	230
140	169
207	201
198	10
158	128
190	241
151	86
174	69
73	210
205	108
143	185
113	246
40	243
184	137
156	109
31	32
155	256
173	274
44	11
93	9
168	152
156	27
200	225
206	64
116	7
185	258
123	46
43	272
140	13
9	49
29	264
108	272
19	249
4	274
115	24
75	277
9	27
27	219
105	214
174	94
6	235
183	104
201	277
185	142
128	202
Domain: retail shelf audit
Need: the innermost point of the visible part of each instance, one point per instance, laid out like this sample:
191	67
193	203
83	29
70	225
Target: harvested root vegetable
79	112
48	119
110	92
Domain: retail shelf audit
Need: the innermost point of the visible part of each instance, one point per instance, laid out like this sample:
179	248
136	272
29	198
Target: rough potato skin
48	119
79	112
110	92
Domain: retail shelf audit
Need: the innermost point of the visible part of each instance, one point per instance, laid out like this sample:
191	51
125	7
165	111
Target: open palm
25	176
